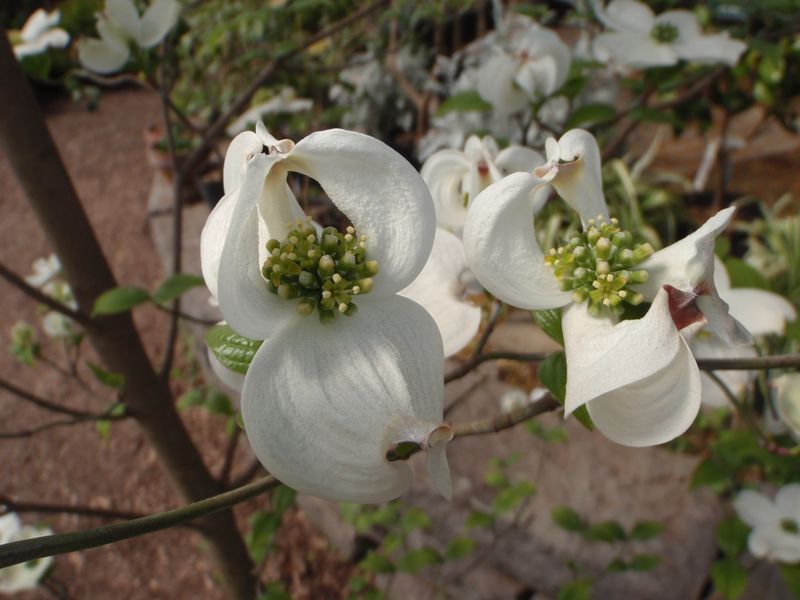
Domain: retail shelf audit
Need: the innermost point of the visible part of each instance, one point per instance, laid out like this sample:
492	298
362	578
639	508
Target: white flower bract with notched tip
625	372
324	402
776	525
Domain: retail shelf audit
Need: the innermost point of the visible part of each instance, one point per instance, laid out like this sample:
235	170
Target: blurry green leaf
729	578
589	115
510	498
282	499
119	299
793	330
732	536
463	102
115	381
607	531
552	374
377	563
103	427
263	526
645	113
415	518
479	518
218	402
646	530
176	285
566	518
617	565
274	591
711	473
744	275
644	562
791	577
459	547
579	589
190	398
231	349
416	560
496	477
549	321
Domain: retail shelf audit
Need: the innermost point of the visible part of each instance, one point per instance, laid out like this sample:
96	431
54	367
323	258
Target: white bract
761	312
531	64
455	177
637	377
776	525
39	33
23	576
119	25
331	391
640	39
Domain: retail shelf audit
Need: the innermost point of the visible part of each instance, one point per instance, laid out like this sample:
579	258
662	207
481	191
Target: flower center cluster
789	526
323	271
597	265
664	33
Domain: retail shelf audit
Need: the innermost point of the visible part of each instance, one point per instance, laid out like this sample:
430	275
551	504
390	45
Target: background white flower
23	576
44	269
776	525
39	33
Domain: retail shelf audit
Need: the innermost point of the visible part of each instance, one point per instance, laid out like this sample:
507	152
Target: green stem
61	543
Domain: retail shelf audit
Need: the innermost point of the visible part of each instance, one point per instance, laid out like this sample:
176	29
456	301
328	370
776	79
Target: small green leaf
729	577
174	286
712	473
617	566
283	499
607	531
190	398
582	415
645	562
231	349
263	526
119	299
415	518
464	102
645	113
479	518
566	518
580	589
509	498
377	563
589	115
103	427
552	374
274	591
744	275
791	577
549	321
732	536
646	530
416	560
459	547
218	402
115	381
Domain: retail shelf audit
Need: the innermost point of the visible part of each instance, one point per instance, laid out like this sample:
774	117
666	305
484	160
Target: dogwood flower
334	389
23	576
528	64
640	39
44	270
637	377
120	24
455	177
776	525
38	34
761	312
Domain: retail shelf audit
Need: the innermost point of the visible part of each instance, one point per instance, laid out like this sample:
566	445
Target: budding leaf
459	547
549	321
176	285
231	349
568	519
115	381
119	299
416	560
607	531
579	589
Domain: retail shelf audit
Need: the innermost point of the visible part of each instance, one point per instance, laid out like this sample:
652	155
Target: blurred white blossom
775	525
39	33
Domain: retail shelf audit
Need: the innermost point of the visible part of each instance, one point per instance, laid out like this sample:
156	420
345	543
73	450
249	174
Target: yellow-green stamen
664	33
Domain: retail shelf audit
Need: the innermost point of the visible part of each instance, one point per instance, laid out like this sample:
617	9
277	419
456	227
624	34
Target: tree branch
41	402
507	420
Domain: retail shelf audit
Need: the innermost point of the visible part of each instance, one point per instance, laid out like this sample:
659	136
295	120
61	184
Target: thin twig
40	296
23	506
186	316
507	420
26	433
41	402
473	362
742	411
230	455
777	361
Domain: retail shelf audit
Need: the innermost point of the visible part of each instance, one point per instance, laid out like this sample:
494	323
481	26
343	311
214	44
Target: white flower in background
786	394
518	398
637	377
776	525
119	25
640	39
330	391
440	288
38	34
761	312
24	576
44	269
284	102
46	275
455	177
528	65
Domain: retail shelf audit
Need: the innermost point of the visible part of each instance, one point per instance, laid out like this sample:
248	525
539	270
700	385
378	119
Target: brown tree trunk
26	141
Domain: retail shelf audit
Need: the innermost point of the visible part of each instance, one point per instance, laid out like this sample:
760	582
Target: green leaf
580	589
617	566
549	321
791	577
566	518
607	531
646	530
103	427
793	330
732	536
119	299
459	547
218	402
415	518
283	499
231	349
582	415
552	374
645	113
729	577
712	473
263	526
479	518
510	498
377	563
463	102
744	275
274	591
589	115
115	381
174	286
190	398
645	562
416	560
